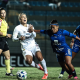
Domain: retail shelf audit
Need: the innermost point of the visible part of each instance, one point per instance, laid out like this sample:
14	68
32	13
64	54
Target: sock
7	63
74	73
33	64
62	71
43	62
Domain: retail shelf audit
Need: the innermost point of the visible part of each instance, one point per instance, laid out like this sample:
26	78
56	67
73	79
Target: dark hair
1	8
54	22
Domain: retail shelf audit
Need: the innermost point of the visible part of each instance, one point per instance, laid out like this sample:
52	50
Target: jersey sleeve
15	34
33	34
67	33
78	28
44	31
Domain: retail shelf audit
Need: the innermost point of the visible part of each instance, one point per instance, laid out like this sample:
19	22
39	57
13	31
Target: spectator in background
55	4
4	3
25	2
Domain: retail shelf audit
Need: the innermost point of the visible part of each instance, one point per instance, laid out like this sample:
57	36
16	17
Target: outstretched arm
70	35
74	34
38	31
72	41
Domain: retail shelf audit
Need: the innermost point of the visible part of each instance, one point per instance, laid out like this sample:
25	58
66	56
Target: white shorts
30	49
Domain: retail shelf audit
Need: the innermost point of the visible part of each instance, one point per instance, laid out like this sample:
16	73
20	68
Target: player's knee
40	58
29	61
68	62
7	57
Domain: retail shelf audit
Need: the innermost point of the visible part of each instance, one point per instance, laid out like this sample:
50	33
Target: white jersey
28	46
20	30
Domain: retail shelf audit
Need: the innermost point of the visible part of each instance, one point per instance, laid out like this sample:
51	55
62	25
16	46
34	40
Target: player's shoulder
78	26
18	27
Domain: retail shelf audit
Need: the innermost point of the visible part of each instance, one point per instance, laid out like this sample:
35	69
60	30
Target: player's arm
31	30
66	33
15	35
74	34
72	41
41	31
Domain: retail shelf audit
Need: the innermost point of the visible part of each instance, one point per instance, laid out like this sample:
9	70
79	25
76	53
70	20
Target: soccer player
59	45
28	45
4	48
75	45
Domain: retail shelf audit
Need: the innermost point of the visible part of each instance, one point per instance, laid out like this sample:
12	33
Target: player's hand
22	38
30	28
71	44
8	35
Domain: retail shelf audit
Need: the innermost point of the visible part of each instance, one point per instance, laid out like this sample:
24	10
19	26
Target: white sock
33	64
43	62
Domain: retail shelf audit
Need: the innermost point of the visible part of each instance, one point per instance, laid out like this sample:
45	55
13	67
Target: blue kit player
59	45
75	45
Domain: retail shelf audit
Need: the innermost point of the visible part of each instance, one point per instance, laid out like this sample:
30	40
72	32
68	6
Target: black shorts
3	44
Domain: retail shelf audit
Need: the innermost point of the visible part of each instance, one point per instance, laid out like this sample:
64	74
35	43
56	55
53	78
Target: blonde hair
19	16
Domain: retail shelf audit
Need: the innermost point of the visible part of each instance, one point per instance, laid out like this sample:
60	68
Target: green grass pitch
35	74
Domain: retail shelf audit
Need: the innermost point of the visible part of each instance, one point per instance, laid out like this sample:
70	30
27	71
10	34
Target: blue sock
62	71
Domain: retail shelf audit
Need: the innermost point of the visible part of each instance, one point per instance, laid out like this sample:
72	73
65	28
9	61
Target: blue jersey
78	30
76	46
58	41
78	34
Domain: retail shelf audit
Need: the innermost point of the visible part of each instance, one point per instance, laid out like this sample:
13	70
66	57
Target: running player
28	45
75	45
59	45
4	48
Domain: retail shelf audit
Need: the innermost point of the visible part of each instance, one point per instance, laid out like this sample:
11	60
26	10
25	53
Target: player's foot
11	68
45	76
76	78
69	77
41	68
9	74
60	75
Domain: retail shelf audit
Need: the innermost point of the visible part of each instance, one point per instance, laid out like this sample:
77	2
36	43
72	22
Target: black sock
74	73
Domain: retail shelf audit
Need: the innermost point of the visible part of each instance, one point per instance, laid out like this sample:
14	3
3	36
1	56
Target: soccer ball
21	75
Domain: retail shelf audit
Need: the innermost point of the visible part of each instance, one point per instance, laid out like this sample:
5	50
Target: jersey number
56	42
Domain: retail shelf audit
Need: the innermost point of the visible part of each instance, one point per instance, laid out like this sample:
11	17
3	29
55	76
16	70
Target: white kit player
25	33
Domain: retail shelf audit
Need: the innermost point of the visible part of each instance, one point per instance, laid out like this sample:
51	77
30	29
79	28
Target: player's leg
73	55
1	51
43	62
65	67
28	56
75	50
60	59
62	70
7	62
70	66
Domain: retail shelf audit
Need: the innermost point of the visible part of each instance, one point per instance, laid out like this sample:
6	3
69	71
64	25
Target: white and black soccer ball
21	75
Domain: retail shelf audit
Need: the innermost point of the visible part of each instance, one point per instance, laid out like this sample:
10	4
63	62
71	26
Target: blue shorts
76	47
61	56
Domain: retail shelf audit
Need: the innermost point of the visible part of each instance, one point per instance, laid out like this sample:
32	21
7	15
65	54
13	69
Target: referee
4	48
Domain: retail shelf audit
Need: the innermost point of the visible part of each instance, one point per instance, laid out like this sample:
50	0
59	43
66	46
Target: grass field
35	74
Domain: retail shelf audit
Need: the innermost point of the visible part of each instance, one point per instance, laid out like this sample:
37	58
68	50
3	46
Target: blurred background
39	14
